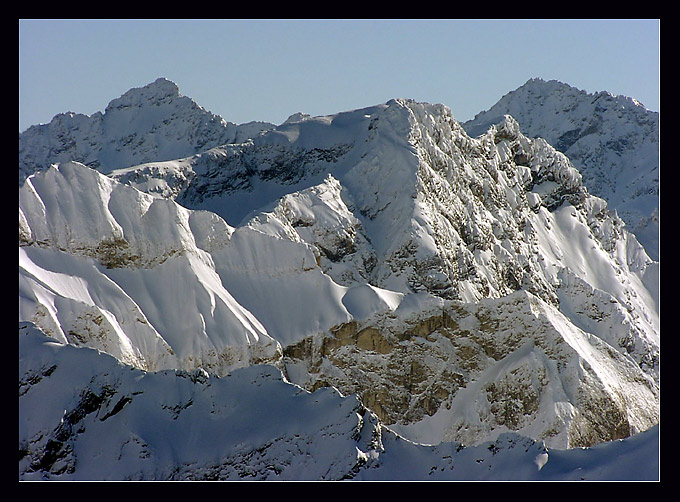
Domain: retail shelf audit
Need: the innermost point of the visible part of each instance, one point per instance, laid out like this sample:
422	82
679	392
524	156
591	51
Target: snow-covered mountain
154	122
460	288
612	140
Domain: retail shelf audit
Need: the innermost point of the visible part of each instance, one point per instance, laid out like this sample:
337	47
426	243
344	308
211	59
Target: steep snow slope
612	140
85	416
104	265
154	122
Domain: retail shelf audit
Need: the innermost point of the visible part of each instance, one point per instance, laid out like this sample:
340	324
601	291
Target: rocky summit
461	289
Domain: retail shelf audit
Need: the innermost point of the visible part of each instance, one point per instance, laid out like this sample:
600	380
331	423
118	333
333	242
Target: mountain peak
163	82
544	88
164	85
297	117
153	122
160	90
538	81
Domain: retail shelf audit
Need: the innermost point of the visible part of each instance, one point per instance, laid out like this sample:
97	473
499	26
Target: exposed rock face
506	364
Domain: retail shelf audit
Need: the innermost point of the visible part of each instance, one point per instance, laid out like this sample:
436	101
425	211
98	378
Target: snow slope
84	415
612	140
124	272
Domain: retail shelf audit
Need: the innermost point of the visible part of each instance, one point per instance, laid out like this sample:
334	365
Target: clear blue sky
266	70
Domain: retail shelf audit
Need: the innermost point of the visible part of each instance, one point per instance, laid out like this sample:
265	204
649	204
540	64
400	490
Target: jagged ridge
612	140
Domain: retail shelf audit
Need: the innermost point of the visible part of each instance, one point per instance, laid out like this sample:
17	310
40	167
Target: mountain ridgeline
464	287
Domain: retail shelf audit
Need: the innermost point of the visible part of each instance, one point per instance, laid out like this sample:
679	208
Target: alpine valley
379	294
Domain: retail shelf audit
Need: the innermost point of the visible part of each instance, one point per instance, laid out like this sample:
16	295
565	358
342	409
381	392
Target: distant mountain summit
154	122
612	140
